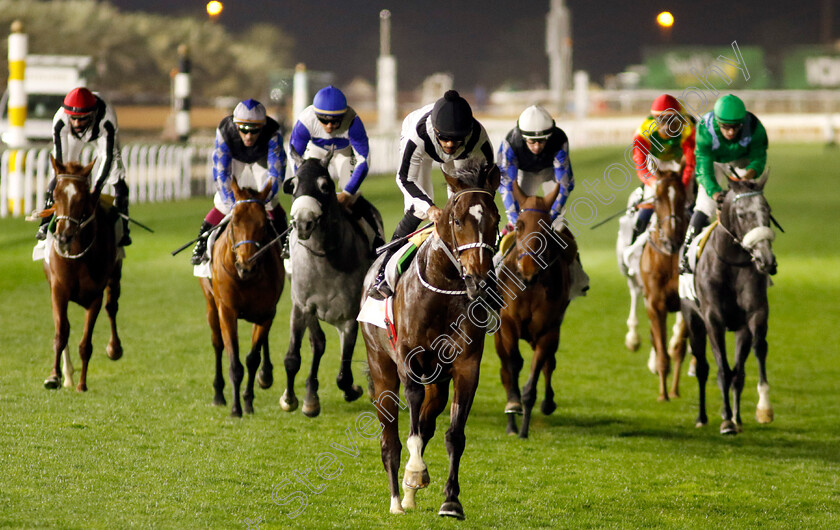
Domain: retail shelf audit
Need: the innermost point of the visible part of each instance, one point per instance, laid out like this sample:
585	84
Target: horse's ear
289	185
762	180
295	156
263	195
88	168
552	196
326	160
454	183
57	166
494	178
518	194
235	187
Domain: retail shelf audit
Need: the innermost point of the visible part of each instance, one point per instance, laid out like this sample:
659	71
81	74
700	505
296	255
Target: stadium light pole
214	9
665	20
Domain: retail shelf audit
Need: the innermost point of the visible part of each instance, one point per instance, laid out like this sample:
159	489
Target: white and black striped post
16	135
181	95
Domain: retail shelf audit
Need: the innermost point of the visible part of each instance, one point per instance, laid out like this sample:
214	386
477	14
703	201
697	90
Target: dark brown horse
81	264
534	283
246	289
660	278
440	320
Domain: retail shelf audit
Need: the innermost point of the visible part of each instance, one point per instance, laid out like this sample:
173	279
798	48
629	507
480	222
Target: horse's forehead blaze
477	211
70	191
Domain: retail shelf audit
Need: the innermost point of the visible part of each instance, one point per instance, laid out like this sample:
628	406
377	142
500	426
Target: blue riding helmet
330	101
249	112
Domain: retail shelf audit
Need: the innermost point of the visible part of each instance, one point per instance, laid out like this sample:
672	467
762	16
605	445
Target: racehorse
731	280
246	288
660	278
440	318
82	263
330	255
534	283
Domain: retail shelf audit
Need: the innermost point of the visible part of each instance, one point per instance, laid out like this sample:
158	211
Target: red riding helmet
79	101
663	103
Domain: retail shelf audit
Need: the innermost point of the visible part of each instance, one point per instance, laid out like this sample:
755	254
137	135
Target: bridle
455	257
81	223
753	236
237	244
536	256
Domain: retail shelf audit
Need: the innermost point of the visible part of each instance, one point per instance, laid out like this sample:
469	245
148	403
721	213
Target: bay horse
440	317
534	283
659	277
731	279
330	255
81	265
240	287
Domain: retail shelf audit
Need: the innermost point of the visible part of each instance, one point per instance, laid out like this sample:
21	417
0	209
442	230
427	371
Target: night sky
492	42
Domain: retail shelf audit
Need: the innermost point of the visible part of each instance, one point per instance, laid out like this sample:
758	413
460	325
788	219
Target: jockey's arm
299	139
758	150
509	172
222	168
565	177
361	147
640	153
411	165
276	162
688	146
107	147
704	169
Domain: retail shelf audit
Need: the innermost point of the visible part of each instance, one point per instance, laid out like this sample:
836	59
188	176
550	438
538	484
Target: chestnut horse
534	283
80	265
440	321
243	288
660	277
731	280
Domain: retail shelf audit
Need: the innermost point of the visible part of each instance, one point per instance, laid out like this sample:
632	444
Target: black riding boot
280	224
698	222
121	205
363	209
380	289
642	221
201	245
48	203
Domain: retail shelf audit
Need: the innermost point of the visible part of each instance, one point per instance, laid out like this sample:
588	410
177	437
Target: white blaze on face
70	191
477	211
672	195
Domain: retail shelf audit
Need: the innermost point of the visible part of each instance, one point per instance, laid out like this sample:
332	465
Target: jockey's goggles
326	120
447	138
249	129
730	126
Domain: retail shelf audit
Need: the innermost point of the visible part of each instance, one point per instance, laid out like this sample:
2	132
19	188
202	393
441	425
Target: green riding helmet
730	109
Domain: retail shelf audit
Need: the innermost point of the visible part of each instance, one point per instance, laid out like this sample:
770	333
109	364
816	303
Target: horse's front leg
465	380
436	396
715	329
259	339
743	342
758	326
631	339
297	325
230	336
348	333
507	348
697	337
549	405
265	377
416	475
114	348
62	333
676	351
318	342
86	344
657	316
386	386
544	348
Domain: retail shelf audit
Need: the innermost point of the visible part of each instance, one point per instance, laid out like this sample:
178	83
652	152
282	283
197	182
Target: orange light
665	19
214	8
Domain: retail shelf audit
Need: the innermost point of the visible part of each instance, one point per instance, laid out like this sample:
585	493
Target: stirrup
198	253
380	290
41	234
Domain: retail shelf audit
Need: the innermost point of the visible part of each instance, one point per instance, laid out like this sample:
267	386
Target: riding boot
280	223
121	205
363	209
45	221
380	289
698	222
198	255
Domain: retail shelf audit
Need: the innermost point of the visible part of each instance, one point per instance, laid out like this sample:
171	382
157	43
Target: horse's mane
74	168
472	174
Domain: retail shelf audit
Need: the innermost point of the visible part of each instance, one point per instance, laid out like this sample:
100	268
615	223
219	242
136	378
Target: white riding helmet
535	123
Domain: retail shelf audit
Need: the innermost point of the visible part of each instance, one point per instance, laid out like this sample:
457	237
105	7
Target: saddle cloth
204	269
695	249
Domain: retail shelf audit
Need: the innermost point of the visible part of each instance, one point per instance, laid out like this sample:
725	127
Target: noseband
81	223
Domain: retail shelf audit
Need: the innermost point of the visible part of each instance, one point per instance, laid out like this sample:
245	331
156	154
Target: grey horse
731	279
330	255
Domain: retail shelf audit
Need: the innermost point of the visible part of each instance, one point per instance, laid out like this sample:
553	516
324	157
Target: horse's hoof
114	352
513	407
692	370
265	378
739	428
219	401
311	408
236	413
353	394
700	424
416	480
451	509
408	502
547	407
52	382
674	395
632	343
662	398
764	415
81	387
249	408
396	507
728	427
285	404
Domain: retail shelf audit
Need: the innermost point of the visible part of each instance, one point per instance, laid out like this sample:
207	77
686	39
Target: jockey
85	118
728	137
249	148
444	132
534	153
666	135
330	124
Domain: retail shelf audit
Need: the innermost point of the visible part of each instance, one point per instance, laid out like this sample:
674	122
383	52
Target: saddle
403	257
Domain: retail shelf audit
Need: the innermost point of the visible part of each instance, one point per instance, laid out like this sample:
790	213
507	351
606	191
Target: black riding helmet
452	116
